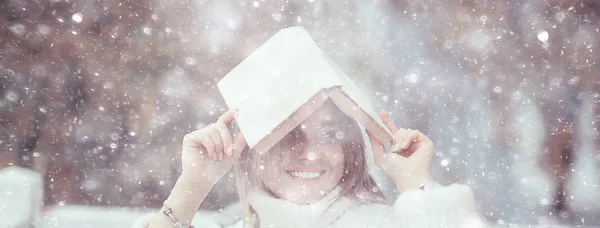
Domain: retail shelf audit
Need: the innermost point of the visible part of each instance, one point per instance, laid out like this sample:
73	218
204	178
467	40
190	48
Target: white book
286	80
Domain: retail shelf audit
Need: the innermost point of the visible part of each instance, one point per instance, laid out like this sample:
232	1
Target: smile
305	175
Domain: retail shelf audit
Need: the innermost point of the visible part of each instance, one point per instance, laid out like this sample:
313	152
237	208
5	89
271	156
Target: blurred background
96	95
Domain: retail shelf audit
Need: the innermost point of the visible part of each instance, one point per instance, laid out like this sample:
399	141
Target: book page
275	81
355	94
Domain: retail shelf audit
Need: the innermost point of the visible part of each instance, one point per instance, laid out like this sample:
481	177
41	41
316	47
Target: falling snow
96	97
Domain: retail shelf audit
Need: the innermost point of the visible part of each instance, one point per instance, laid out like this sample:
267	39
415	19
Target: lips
305	175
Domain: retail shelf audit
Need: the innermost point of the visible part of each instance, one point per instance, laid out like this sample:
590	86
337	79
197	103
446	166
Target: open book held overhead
284	81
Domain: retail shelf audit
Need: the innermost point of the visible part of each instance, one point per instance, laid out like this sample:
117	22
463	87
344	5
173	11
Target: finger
208	144
225	137
228	116
409	139
387	120
399	139
198	139
216	138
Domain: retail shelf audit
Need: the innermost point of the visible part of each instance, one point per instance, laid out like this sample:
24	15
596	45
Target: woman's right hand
209	153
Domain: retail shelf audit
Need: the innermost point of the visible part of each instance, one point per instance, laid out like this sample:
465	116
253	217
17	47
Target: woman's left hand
409	160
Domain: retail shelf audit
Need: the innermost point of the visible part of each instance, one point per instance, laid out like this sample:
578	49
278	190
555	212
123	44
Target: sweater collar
273	212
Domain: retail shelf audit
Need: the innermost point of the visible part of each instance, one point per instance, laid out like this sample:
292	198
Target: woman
315	177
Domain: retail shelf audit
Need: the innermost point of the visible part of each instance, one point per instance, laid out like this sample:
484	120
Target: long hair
355	183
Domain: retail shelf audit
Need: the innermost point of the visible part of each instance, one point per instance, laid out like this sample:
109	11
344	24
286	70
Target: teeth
304	175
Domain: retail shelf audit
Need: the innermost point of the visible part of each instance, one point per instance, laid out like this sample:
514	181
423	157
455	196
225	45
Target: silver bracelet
429	185
166	210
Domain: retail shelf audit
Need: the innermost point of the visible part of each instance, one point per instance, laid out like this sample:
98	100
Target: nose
307	154
300	146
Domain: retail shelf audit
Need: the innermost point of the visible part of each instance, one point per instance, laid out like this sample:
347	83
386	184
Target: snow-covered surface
20	196
91	217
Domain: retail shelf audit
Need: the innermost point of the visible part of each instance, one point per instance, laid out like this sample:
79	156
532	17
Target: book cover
284	81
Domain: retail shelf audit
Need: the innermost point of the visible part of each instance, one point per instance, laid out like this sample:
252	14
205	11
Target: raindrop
299	19
385	98
77	17
132	133
276	16
445	162
497	89
161	182
114	136
90	184
147	30
80	105
339	135
113	145
311	156
261	167
255	4
574	80
190	61
543	36
231	24
43	29
17	29
303	126
454	151
12	96
413	78
483	18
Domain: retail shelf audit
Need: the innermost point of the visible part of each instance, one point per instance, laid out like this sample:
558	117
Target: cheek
270	169
336	159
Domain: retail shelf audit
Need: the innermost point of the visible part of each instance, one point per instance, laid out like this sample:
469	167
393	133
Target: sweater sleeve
450	206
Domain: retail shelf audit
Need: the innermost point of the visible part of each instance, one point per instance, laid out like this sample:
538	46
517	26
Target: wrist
185	199
413	182
194	179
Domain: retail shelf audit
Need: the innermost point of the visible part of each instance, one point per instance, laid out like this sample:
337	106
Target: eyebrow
333	123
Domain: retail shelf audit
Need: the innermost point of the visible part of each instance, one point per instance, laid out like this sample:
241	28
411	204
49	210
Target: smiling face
309	162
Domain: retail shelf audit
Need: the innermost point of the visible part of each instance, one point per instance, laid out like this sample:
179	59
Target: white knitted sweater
450	206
